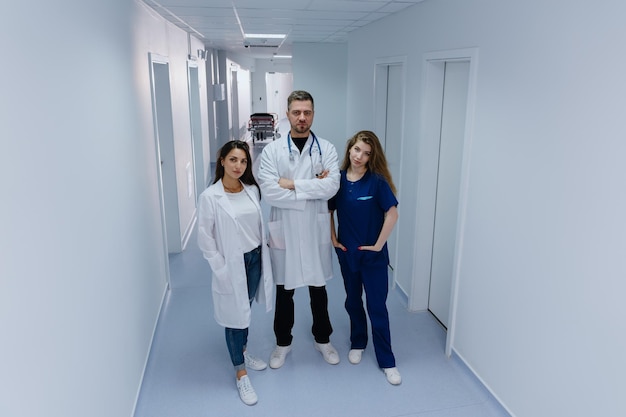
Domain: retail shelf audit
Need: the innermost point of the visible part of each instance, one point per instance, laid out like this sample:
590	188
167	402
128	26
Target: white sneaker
354	356
254	363
393	375
278	356
328	352
246	392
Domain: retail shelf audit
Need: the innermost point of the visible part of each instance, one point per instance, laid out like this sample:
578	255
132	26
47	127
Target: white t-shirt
249	220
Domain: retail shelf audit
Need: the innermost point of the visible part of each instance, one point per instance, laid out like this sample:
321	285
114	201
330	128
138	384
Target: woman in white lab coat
231	236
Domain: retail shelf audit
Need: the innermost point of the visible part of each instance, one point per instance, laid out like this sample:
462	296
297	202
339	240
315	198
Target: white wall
540	315
211	79
321	69
83	268
155	35
233	124
279	86
261	103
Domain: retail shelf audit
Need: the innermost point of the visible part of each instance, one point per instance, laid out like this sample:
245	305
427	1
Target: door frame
381	66
163	60
432	89
197	146
452	126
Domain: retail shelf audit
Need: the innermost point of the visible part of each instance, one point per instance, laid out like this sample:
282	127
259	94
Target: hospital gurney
262	126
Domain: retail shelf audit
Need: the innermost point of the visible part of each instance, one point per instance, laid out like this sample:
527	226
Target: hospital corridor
502	128
189	371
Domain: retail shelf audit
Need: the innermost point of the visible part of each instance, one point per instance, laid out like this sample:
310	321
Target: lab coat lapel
223	201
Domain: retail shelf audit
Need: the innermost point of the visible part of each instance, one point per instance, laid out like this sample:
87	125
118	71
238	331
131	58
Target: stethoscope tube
317	142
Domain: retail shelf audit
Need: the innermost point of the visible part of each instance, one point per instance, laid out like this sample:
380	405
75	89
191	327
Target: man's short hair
300	95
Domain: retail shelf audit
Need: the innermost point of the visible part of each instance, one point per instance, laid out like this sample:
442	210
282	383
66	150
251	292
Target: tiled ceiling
220	24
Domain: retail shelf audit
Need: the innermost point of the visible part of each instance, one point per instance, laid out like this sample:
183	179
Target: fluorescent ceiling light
264	36
282	56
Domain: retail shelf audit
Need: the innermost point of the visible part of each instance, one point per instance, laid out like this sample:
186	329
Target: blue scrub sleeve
384	195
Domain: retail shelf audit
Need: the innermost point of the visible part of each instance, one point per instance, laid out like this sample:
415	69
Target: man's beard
301	129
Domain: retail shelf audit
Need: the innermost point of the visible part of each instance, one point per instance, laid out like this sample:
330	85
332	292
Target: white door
164	130
200	182
455	88
278	87
389	113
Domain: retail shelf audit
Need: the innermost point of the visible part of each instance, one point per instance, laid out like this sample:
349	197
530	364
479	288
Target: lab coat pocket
221	283
277	235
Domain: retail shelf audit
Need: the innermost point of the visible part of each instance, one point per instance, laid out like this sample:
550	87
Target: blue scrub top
361	208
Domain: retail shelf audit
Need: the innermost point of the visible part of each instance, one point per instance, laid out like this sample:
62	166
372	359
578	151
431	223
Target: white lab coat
218	232
299	224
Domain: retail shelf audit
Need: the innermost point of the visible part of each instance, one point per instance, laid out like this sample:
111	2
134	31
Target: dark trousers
374	280
284	315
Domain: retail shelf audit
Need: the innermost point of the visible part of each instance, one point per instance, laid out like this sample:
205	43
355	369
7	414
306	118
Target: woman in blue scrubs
366	214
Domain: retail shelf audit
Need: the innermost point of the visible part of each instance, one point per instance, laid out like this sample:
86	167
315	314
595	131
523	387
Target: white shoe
354	356
278	356
393	375
328	352
254	363
246	392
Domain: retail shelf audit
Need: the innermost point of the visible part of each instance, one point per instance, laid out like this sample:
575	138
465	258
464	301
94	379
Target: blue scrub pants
374	279
237	339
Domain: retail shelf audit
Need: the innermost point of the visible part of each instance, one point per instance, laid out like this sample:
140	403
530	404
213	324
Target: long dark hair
247	177
377	162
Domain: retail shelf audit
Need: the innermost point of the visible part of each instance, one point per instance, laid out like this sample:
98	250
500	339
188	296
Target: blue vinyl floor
189	373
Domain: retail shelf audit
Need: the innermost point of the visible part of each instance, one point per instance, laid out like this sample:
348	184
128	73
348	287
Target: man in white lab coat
298	174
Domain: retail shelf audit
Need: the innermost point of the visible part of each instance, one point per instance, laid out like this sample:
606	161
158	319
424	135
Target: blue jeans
237	339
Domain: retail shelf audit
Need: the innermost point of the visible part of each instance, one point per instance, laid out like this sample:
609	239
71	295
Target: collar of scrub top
317	142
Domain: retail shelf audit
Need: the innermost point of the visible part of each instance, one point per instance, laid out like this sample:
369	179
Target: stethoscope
315	168
315	141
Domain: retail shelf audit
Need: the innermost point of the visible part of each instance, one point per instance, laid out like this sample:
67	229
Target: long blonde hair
377	162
